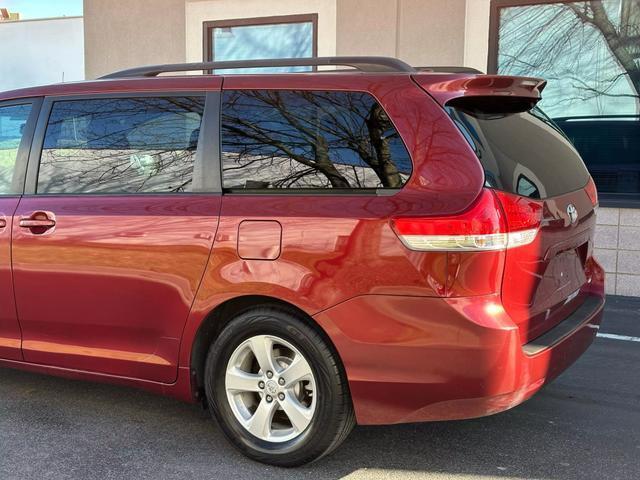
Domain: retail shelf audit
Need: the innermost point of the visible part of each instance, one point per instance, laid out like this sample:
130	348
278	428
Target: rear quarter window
523	153
309	140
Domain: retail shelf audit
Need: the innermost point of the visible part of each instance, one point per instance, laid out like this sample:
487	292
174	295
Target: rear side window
278	139
523	153
13	120
121	145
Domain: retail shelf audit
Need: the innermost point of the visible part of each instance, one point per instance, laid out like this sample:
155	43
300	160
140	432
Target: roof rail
365	64
451	69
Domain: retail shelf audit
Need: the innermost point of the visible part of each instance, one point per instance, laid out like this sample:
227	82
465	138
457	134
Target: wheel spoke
299	415
298	370
240	381
260	423
262	348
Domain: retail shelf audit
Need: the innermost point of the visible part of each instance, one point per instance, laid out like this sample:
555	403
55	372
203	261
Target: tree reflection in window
121	145
309	140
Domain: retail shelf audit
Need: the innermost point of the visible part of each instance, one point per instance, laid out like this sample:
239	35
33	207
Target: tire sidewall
285	326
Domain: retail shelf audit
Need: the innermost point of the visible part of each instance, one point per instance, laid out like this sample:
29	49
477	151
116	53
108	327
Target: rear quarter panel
336	247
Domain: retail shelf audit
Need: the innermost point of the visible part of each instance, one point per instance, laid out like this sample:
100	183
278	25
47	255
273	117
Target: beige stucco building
124	33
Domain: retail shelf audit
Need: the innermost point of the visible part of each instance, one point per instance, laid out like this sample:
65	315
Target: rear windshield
523	153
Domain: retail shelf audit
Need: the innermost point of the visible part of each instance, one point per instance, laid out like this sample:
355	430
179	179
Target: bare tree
622	39
560	41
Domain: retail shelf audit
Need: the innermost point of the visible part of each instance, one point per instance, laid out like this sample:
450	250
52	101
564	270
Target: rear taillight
496	221
523	215
592	192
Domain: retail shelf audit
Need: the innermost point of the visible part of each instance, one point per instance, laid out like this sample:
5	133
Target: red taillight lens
522	213
483	217
496	221
592	191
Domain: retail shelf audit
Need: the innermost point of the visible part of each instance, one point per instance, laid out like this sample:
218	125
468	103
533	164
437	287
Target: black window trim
22	158
313	192
207	162
612	200
359	192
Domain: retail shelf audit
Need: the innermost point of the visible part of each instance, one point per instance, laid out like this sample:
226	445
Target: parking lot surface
585	425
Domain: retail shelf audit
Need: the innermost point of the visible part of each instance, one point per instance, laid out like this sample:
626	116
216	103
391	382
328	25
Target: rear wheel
277	388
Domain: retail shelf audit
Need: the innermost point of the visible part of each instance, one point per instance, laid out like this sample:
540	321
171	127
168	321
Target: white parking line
612	336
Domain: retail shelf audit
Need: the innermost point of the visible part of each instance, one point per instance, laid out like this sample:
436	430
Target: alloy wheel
271	388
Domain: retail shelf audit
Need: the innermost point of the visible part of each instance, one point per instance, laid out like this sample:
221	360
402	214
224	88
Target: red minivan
301	251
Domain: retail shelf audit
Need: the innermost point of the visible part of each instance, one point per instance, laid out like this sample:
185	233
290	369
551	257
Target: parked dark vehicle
302	252
602	138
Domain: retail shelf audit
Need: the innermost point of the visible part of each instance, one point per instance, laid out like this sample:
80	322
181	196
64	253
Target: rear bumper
412	359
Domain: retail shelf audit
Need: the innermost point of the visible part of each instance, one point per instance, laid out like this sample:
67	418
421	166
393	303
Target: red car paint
121	288
91	270
10	336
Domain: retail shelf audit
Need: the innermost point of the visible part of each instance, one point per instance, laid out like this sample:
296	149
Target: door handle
38	222
3	222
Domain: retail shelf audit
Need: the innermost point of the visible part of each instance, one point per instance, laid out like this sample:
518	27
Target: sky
29	9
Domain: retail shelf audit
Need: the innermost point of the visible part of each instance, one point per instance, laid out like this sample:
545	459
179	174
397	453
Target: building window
300	140
588	51
291	36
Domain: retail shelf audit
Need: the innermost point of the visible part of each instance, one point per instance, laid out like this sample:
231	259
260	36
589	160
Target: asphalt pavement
585	425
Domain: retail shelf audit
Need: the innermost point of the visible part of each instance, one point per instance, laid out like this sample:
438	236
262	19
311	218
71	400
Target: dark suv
303	252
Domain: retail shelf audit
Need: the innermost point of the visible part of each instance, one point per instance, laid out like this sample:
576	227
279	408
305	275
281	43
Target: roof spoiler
485	92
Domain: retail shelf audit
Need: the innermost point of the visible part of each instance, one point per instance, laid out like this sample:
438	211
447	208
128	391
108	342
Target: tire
322	395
